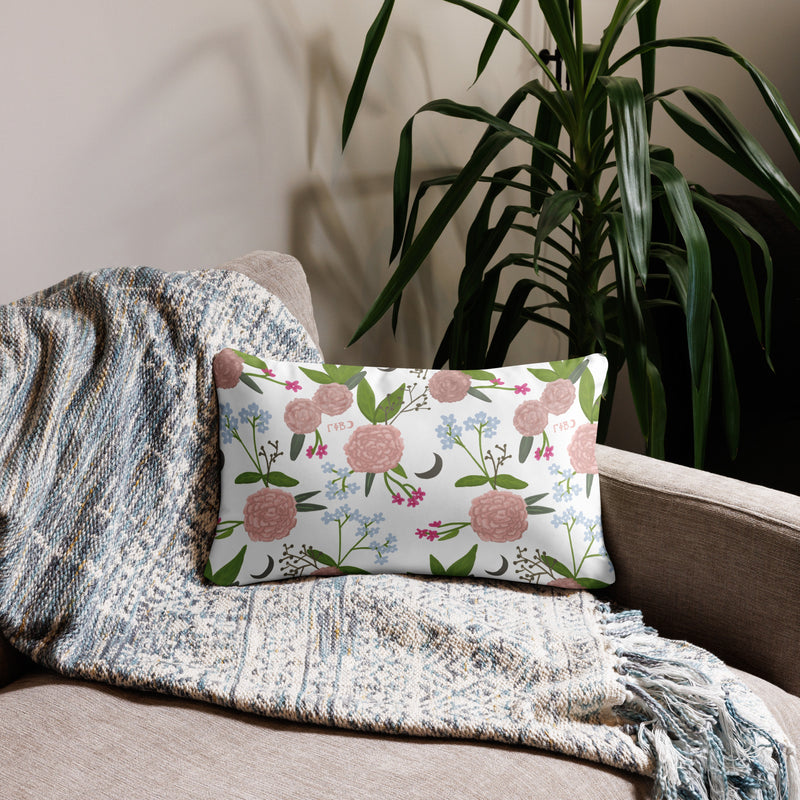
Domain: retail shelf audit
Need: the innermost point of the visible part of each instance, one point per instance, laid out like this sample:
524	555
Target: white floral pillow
332	470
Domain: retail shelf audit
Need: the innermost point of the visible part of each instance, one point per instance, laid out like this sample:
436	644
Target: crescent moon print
270	565
434	470
502	570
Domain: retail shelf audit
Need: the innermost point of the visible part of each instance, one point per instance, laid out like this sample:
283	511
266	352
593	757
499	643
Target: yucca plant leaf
727	382
433	228
631	322
548	130
701	401
555	209
511	320
772	97
372	43
646	22
632	149
557	17
698	301
623	14
736	228
498	21
507	8
742	142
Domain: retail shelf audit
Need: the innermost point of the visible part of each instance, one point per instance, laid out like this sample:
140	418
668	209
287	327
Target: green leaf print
322	558
436	567
316	375
390	405
296	446
251	361
351	383
463	566
479	394
539	510
546	375
479	374
505	481
525	445
565	368
279	479
248	381
226	575
557	566
341	374
586	396
472	480
366	400
591	583
248	477
348	570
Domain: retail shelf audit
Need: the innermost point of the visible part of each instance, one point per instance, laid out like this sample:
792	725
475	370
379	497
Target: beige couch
707	559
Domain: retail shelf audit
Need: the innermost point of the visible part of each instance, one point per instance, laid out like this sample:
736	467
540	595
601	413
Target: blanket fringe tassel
699	737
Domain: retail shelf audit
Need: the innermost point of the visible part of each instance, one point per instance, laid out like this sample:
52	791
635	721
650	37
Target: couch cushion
64	738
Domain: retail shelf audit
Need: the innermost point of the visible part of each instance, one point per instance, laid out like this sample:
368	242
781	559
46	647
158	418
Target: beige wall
180	134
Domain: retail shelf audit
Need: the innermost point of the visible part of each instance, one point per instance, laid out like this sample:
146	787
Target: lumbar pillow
331	470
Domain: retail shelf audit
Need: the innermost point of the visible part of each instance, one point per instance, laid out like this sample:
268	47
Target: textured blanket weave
108	500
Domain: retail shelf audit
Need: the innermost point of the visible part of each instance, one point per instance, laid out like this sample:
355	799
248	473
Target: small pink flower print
545	453
558	396
325	572
322	450
397	498
565	583
333	399
581	449
449	385
302	416
268	372
227	368
530	418
374	448
416	497
497	382
435	524
498	516
523	389
422	533
269	514
293	386
548	452
433	536
309	451
537	455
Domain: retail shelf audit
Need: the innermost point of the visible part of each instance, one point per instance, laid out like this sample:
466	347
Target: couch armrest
707	558
283	275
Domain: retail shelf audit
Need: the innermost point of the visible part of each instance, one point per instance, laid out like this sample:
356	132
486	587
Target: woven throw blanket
109	489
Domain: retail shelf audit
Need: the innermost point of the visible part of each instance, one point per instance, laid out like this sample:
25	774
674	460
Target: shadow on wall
345	281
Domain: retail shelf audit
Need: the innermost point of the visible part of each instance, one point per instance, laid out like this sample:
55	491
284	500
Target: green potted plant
591	184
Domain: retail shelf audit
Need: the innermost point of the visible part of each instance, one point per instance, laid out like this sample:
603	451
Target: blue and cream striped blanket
109	491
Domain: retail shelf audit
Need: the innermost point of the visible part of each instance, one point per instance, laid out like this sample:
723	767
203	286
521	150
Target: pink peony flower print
449	386
302	416
269	514
581	449
565	583
498	516
558	396
227	368
530	418
333	399
325	572
374	448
